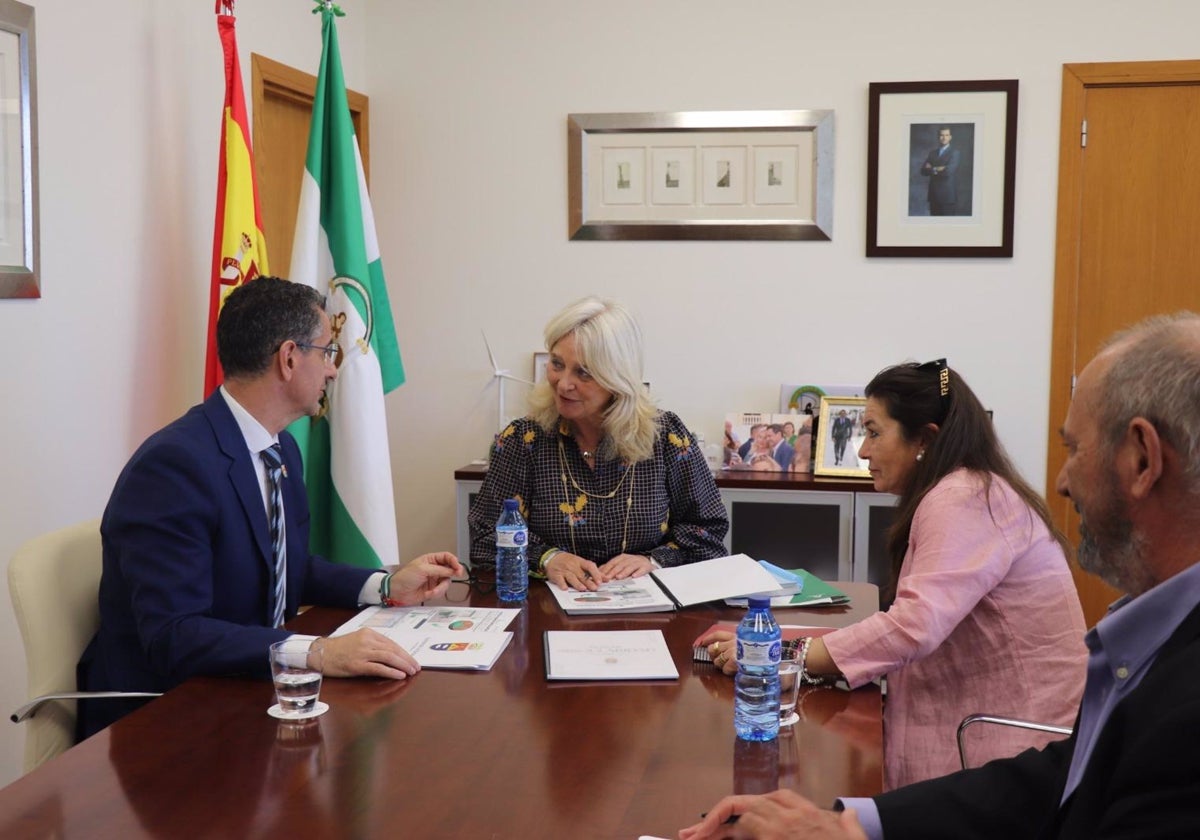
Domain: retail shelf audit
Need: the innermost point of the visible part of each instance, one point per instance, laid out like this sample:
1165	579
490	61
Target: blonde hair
608	342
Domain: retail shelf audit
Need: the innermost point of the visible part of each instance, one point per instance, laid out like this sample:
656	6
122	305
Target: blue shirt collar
1136	628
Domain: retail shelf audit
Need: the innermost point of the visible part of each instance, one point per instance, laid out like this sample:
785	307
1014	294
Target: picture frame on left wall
20	265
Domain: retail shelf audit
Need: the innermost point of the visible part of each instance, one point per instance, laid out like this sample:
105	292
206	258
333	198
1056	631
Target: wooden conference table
453	754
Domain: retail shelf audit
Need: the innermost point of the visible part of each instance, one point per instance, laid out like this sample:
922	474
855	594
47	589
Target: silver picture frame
701	175
19	261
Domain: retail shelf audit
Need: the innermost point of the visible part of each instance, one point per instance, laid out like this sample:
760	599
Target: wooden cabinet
834	528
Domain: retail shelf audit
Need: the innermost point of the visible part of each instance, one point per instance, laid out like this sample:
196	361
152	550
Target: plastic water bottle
756	685
512	571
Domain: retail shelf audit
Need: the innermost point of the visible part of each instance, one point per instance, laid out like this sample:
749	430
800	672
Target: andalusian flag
346	464
239	247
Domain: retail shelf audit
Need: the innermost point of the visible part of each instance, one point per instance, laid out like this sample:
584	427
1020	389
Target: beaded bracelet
805	677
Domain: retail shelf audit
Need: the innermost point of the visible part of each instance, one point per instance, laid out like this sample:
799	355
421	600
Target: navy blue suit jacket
186	584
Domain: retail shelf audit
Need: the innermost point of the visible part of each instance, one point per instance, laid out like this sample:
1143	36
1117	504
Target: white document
450	649
456	619
632	595
470	638
608	655
712	580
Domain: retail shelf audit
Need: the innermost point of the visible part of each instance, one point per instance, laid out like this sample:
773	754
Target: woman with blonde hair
610	485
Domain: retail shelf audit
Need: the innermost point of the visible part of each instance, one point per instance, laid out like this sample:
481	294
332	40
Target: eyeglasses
332	351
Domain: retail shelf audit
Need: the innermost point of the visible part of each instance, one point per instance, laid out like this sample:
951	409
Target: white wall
468	110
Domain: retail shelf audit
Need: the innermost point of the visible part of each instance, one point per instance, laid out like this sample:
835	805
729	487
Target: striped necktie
273	457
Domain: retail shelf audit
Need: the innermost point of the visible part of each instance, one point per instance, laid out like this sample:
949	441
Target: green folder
815	591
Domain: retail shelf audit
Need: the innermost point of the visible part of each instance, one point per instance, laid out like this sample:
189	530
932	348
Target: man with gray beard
1131	767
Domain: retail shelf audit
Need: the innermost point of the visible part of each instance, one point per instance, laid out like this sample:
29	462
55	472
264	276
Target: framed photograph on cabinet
941	168
700	175
840	435
19	264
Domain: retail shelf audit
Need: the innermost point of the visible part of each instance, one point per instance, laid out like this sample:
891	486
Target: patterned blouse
667	507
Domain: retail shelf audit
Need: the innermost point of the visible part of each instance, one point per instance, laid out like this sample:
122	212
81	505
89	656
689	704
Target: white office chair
54	580
971	720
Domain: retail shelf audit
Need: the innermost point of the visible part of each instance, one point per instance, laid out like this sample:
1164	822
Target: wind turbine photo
500	374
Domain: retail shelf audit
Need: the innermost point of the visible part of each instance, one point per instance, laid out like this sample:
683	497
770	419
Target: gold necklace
562	461
563	476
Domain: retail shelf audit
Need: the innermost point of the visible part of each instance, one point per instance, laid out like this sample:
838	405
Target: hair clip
943	372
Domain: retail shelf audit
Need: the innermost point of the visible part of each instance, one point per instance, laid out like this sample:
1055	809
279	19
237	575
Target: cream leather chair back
54	580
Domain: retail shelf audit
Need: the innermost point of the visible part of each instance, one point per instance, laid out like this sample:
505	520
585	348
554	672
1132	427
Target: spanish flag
239	247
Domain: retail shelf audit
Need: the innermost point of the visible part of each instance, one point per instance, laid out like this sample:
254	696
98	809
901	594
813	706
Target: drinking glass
789	686
296	672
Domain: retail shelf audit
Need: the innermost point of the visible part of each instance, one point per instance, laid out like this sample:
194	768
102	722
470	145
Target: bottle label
758	654
512	539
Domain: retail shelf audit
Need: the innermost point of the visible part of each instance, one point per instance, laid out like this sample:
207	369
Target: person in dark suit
841	430
188	581
1132	435
756	432
941	168
781	450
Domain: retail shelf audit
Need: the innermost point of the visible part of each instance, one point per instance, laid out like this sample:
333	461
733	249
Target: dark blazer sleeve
999	801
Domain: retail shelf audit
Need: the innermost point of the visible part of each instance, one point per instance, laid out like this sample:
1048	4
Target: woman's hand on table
570	570
626	566
722	649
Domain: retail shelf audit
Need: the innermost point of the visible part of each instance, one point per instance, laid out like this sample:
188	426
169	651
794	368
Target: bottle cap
759	603
510	504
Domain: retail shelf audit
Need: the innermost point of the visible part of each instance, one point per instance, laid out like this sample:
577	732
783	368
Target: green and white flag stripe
347	468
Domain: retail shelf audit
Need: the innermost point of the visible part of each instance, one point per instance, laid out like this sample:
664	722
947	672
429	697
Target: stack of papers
608	655
468	638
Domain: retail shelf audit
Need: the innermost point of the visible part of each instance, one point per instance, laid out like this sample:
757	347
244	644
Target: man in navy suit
941	168
781	450
188	582
1130	768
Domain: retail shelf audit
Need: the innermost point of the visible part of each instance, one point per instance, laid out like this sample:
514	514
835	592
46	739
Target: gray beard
1116	554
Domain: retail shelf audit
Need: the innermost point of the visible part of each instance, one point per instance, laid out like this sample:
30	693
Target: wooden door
1128	229
282	98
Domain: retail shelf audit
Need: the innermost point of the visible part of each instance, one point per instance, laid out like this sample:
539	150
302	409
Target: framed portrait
19	264
941	168
540	360
840	434
700	175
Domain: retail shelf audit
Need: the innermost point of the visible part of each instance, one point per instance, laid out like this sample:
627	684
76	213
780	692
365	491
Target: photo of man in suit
191	582
1132	471
781	450
941	177
941	168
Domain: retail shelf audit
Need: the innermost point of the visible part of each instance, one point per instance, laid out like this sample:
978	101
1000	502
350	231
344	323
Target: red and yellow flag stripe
239	246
